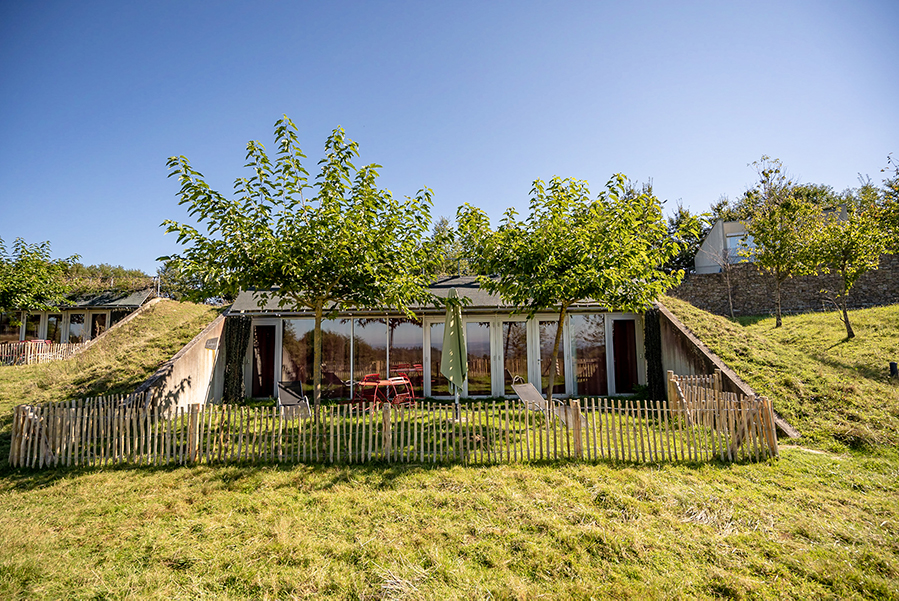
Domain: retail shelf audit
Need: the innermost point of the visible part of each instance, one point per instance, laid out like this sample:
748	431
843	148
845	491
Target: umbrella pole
458	409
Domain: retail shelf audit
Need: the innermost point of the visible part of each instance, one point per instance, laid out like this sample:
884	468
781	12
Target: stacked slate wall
753	291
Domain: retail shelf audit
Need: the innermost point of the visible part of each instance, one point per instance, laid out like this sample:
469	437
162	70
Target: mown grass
806	526
810	525
837	392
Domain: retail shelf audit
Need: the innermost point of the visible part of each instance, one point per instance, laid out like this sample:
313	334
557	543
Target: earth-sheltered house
81	319
603	352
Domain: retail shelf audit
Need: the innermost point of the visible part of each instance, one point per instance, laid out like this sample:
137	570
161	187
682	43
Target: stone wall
753	292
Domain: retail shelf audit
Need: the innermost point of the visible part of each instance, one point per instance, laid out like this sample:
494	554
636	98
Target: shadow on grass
750	320
379	474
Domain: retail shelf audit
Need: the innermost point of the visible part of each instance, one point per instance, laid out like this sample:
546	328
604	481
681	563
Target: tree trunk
844	300
849	332
317	357
777	320
552	361
730	297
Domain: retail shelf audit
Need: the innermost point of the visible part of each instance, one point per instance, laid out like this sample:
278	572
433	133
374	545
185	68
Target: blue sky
474	100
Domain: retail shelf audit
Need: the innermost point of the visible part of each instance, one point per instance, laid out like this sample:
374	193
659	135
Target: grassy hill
837	392
126	356
813	524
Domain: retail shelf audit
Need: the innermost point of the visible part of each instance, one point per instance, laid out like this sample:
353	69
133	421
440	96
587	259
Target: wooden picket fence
100	432
745	422
26	352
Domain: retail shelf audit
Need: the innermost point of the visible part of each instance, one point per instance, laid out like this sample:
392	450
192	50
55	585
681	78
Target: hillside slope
835	391
126	356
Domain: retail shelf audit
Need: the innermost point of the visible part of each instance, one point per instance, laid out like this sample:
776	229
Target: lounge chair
533	400
291	400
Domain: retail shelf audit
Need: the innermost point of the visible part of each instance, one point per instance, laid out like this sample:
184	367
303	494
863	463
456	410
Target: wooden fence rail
27	352
99	433
751	422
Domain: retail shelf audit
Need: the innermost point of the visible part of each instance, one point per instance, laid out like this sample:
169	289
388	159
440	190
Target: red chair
367	388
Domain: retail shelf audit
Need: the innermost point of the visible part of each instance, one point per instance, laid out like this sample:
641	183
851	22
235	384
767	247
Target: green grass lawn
817	523
837	392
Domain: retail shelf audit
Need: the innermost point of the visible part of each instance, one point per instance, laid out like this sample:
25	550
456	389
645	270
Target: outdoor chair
533	400
289	400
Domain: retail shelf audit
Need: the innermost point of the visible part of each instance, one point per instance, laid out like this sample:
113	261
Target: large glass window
298	350
32	326
440	386
406	351
370	346
477	335
54	327
98	324
9	327
118	315
547	340
76	327
589	333
515	353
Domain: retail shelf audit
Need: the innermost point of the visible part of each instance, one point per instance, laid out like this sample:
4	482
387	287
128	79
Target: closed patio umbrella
454	362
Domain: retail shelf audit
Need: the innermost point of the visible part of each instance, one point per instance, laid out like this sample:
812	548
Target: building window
515	354
440	386
405	351
589	334
98	324
54	327
76	327
298	351
32	326
477	334
547	340
9	327
370	349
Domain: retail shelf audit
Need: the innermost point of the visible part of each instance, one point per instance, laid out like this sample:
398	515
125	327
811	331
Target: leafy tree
725	210
30	279
889	206
571	248
348	245
688	230
92	279
779	222
448	252
850	245
177	285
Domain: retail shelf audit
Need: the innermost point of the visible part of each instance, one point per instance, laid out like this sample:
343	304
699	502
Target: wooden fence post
386	432
194	436
575	407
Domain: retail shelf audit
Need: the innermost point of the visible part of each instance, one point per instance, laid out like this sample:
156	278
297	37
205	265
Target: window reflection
589	332
98	324
406	350
370	345
547	340
515	353
440	386
298	352
9	327
478	339
76	327
32	326
54	327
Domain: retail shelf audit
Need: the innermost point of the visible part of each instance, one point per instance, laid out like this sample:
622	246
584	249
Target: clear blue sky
474	100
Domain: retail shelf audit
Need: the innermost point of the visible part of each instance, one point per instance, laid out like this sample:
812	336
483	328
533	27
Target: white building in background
723	245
